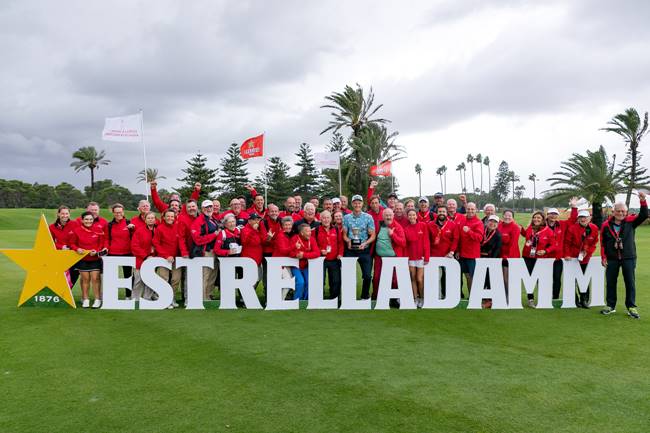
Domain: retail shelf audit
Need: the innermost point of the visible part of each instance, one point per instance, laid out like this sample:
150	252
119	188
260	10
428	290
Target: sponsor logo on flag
382	169
252	147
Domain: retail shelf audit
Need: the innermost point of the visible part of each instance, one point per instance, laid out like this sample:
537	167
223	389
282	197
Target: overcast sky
525	81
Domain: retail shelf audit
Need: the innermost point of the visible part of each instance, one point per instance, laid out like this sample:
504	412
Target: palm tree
486	161
628	126
88	158
533	178
152	175
464	168
459	169
591	176
479	160
512	177
519	192
418	171
470	159
352	109
444	172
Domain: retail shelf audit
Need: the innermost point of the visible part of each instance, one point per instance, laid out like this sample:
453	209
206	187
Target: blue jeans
302	283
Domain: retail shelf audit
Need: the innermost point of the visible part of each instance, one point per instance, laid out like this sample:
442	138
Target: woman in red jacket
330	243
539	245
418	251
168	244
303	247
90	239
61	230
510	232
253	236
391	242
118	233
142	248
580	241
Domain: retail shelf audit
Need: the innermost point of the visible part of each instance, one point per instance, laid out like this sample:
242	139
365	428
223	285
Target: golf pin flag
126	129
253	147
324	160
382	169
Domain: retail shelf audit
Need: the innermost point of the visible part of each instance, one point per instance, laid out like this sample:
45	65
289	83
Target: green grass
64	370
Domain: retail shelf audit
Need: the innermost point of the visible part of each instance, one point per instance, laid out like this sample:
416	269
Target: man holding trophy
358	235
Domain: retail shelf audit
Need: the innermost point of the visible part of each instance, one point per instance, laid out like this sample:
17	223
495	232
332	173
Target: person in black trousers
618	250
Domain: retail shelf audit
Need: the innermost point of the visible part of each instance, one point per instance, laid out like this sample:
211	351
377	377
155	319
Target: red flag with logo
382	169
253	147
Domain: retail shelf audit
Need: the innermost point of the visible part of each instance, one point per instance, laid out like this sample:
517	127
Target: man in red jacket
580	242
168	244
559	228
204	236
443	237
119	232
100	223
452	211
470	230
273	227
400	214
175	198
258	205
253	236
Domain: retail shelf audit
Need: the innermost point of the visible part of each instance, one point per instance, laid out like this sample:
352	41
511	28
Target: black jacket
492	248
626	234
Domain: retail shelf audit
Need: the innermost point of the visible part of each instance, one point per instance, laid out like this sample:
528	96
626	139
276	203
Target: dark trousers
558	264
530	265
265	274
74	276
333	270
611	277
365	261
583	298
127	271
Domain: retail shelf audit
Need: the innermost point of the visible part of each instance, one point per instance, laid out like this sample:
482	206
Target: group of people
417	230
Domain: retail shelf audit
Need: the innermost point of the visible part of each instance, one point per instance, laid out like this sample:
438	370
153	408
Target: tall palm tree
479	160
459	169
152	175
591	176
444	172
628	125
486	161
533	178
439	173
513	178
88	158
470	160
352	109
418	171
464	168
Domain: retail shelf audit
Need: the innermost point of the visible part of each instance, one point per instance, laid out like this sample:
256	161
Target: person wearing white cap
558	228
580	242
425	215
490	248
358	235
204	235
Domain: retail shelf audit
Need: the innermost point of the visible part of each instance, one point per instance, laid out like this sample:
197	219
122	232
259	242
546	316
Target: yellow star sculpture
45	266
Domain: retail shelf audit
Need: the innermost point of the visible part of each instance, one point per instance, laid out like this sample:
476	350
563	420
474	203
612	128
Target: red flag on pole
253	147
382	169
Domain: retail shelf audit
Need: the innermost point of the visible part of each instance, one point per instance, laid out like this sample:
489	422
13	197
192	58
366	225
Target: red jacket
100	223
61	234
427	216
458	218
295	215
138	222
443	240
162	206
398	238
252	242
167	241
274	226
576	240
185	222
142	245
509	240
403	221
545	241
282	244
220	247
376	216
332	238
118	237
87	239
417	241
559	231
309	249
195	230
469	245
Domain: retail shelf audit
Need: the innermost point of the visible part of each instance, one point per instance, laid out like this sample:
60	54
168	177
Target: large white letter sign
403	292
276	284
194	283
594	274
156	283
497	291
317	300
432	283
349	299
246	284
111	283
542	275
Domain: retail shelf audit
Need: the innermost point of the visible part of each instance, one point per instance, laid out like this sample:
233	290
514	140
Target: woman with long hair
330	243
510	232
142	248
89	238
418	250
303	247
61	230
539	245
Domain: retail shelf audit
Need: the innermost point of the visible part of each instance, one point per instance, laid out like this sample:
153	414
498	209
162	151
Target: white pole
266	181
144	154
340	182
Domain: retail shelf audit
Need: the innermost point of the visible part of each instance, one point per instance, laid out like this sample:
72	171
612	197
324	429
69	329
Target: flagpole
340	182
144	154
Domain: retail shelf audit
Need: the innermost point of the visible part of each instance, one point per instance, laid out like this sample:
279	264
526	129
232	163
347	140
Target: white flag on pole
125	129
324	160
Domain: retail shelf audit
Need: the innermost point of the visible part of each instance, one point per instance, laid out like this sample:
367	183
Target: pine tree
279	184
197	171
501	186
234	175
307	181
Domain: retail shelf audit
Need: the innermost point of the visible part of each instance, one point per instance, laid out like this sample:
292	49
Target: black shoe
393	303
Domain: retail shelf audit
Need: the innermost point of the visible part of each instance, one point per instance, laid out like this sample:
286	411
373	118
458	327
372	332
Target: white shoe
170	307
128	298
174	303
85	303
97	303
